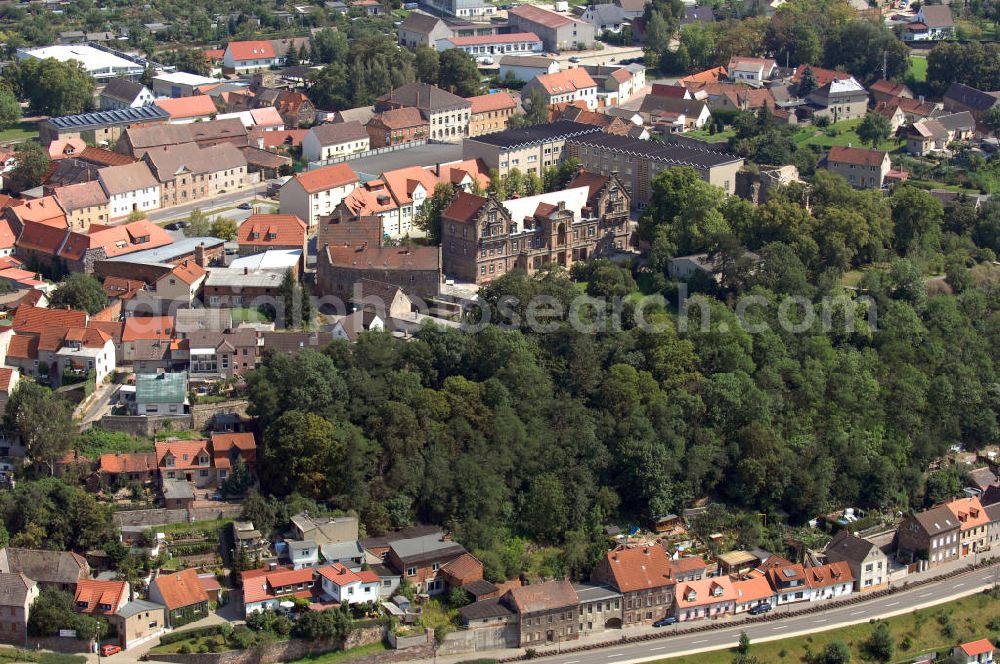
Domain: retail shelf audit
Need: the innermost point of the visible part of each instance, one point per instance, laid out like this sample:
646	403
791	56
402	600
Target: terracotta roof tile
180	589
327	177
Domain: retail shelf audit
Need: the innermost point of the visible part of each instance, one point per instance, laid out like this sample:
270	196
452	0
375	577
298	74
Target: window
411	571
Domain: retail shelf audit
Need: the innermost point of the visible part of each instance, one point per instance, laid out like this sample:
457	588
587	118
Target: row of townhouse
641	585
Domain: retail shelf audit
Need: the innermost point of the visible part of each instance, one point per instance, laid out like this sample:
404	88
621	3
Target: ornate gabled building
483	238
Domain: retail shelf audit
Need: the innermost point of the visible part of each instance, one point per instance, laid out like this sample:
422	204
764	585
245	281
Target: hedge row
173	637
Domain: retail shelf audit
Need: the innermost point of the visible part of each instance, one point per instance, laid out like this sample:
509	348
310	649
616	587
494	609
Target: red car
109	650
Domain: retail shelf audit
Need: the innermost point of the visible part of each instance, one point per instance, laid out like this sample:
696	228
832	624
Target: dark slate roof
401	534
479	587
292	343
541	133
419	22
14	589
424	96
971	97
937	520
484	609
60	567
849	547
122	89
674	155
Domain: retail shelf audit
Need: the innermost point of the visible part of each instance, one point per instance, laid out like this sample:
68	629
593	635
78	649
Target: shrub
185	649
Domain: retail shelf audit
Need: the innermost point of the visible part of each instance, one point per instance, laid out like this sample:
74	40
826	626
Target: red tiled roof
753	589
713	75
464	566
272	230
188	271
464	207
251	50
980	647
492	102
180	589
639	568
510	38
339	575
822	76
327	177
188	107
35	319
385	258
148	327
279	138
858	156
133	462
44	210
97	593
705	592
105	157
541	16
568	80
179	449
829	574
23	347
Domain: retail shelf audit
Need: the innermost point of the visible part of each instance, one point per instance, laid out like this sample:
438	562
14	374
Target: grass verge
343	655
934	629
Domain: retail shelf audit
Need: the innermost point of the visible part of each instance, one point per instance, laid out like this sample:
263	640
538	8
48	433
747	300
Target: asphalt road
897	603
207	205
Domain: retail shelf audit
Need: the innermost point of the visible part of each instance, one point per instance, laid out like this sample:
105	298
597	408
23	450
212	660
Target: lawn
180	435
852	278
934	184
23	131
704	135
42	657
343	655
194	527
95	442
937	628
845	135
195	644
248	315
918	68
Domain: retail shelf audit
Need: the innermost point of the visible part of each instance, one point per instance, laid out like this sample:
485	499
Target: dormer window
691	596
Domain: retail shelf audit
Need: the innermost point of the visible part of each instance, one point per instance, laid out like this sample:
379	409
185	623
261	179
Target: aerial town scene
486	331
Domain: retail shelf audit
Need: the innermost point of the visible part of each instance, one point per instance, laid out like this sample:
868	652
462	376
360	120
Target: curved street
794	624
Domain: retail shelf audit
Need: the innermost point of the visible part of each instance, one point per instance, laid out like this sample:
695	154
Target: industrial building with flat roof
638	162
529	149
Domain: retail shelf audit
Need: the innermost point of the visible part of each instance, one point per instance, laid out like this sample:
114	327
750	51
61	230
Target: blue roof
107	118
161	388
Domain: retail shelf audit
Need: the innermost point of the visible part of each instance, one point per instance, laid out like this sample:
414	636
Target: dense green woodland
549	436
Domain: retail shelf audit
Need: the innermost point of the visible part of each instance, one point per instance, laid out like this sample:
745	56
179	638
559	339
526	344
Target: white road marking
958	585
820	621
617	654
927	594
779	627
694	643
572	661
858	613
892	603
657	648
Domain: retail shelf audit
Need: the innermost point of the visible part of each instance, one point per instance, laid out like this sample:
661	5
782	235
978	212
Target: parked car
760	609
245	206
109	650
664	622
574	59
178	225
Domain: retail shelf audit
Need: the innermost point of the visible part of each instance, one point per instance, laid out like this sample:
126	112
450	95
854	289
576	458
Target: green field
22	131
343	655
918	68
845	135
922	631
703	135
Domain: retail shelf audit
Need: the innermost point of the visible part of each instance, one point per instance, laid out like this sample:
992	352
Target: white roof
242	116
279	260
95	61
184	78
846	85
519	208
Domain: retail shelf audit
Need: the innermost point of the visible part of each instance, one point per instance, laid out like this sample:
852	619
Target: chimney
446	537
199	255
246	270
